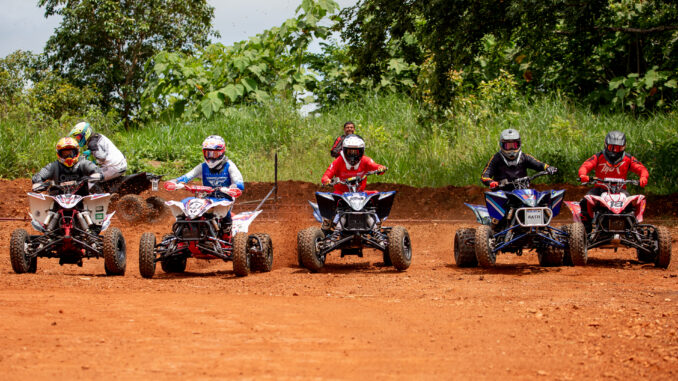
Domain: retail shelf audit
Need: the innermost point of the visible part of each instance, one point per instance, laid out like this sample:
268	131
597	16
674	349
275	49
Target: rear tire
173	265
400	248
263	262
115	252
308	247
484	254
464	248
147	255
663	259
241	256
18	255
576	252
156	209
132	208
550	256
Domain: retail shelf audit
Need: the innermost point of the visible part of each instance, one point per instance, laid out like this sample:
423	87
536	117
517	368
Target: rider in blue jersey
217	171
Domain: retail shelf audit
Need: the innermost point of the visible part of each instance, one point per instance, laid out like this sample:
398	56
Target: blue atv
350	222
518	219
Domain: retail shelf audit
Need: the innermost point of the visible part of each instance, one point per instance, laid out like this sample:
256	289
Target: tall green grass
417	152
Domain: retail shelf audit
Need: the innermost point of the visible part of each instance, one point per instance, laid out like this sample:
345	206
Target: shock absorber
83	222
51	221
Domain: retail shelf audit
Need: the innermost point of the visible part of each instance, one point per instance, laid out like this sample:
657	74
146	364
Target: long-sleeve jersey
106	154
228	175
497	169
604	169
60	173
339	169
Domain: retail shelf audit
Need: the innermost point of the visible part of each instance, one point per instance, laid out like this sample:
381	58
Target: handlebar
202	190
355	180
522	182
66	187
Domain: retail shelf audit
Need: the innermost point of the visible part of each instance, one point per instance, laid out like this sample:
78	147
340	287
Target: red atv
615	220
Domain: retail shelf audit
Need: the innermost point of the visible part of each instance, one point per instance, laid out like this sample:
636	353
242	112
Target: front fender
575	208
242	221
316	211
481	213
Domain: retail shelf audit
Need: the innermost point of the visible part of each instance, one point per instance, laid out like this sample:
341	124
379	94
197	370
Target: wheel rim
120	249
407	246
320	257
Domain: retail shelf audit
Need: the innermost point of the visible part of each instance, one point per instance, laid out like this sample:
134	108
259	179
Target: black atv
125	197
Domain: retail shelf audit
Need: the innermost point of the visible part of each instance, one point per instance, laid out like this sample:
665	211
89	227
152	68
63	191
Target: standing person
612	162
349	129
69	166
351	162
217	171
510	162
112	162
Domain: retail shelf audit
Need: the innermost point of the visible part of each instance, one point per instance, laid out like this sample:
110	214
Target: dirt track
614	319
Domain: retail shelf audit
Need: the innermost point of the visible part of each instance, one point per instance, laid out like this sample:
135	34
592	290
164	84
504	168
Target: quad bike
198	233
125	198
615	221
350	222
73	227
514	220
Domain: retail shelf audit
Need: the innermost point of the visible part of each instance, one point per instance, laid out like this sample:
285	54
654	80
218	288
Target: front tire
576	252
241	256
484	254
550	256
663	259
115	252
310	239
147	255
464	248
400	248
263	262
18	253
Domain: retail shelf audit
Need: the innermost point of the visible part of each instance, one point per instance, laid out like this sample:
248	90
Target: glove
325	181
381	169
584	178
170	185
39	187
551	170
493	184
233	192
642	182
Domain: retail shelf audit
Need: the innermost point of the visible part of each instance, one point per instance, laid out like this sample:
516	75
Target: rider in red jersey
351	162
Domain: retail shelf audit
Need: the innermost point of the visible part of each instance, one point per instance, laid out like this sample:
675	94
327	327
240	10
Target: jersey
604	169
497	169
106	154
339	169
60	173
225	177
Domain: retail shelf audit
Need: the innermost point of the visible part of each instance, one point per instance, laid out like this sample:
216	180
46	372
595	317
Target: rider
510	162
68	167
611	162
217	171
349	129
350	163
99	147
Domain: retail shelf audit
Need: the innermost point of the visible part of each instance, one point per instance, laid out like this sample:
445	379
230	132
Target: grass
417	153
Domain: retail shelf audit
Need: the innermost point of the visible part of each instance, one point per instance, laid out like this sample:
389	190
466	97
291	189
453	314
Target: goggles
353	151
212	154
511	145
68	153
615	148
80	137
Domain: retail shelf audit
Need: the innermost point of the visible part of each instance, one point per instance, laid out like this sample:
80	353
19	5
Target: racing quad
350	222
125	198
517	219
199	232
615	220
72	227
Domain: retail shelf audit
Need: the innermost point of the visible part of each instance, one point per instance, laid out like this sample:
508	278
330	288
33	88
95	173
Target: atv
515	220
198	233
72	227
125	198
350	222
615	220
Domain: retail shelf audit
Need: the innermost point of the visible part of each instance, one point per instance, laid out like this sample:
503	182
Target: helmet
68	151
615	144
214	149
352	150
81	132
509	143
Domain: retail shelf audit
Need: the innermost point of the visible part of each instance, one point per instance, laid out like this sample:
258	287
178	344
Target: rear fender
575	208
316	211
482	216
242	221
107	222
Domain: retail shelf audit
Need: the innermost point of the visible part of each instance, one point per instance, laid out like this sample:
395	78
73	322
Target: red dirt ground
614	319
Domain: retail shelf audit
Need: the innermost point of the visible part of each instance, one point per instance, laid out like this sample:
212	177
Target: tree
107	43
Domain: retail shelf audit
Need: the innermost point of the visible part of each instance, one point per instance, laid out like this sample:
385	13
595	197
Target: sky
23	24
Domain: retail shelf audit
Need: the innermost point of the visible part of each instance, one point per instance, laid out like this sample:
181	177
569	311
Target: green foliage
271	64
641	92
106	43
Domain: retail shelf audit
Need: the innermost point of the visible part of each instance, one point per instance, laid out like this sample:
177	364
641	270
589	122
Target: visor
510	145
68	153
212	154
353	151
615	148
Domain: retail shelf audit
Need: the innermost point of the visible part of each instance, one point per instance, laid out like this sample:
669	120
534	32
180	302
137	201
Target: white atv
71	228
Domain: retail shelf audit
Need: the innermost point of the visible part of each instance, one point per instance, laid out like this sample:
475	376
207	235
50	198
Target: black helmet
352	150
509	143
615	144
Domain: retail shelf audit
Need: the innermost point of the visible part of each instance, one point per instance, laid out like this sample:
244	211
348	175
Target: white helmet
214	151
352	151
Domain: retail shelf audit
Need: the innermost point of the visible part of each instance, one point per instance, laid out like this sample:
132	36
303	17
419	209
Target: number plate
534	217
